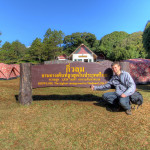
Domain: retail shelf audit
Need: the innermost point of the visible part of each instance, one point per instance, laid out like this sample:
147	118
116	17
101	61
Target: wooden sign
76	74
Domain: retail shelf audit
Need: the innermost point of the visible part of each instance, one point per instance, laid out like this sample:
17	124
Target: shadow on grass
144	87
84	98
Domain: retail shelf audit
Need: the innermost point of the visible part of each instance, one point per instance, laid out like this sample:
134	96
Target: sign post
25	91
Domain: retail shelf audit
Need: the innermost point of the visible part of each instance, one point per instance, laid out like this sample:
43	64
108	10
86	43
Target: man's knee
104	96
109	96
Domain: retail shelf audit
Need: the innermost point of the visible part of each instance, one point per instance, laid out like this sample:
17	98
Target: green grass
69	118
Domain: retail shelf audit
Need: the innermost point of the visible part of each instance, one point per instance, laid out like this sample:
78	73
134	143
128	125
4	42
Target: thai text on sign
76	74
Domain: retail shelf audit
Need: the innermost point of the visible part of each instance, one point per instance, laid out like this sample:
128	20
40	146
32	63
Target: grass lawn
64	118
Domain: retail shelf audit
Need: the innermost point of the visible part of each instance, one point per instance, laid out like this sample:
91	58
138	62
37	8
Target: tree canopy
133	46
118	45
71	42
40	50
52	43
0	40
12	52
146	37
121	46
111	42
36	51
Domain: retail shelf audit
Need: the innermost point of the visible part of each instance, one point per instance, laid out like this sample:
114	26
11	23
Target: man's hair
115	63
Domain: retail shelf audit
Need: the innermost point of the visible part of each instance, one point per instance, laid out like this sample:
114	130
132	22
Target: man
124	85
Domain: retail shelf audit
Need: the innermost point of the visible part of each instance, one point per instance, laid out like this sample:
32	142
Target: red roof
62	56
82	49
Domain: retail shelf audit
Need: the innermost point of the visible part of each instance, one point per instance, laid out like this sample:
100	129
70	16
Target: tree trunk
25	92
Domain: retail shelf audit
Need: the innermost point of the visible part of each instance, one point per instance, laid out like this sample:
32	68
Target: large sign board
76	74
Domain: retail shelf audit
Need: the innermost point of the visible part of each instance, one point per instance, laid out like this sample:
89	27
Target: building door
85	60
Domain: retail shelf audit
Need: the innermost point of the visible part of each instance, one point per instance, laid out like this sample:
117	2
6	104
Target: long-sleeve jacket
123	84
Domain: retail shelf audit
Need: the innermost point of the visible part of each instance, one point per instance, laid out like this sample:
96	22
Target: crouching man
124	85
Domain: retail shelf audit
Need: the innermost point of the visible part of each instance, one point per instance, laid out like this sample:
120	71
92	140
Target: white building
83	54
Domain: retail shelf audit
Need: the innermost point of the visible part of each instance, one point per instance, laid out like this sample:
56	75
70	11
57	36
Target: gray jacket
123	84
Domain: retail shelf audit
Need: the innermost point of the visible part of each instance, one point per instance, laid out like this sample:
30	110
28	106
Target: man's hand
123	95
92	87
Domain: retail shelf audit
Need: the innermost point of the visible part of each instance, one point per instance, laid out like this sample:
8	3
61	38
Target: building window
79	59
90	60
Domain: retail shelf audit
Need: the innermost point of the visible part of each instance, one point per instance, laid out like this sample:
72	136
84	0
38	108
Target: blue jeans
112	98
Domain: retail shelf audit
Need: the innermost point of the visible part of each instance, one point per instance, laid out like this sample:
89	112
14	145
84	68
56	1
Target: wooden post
25	92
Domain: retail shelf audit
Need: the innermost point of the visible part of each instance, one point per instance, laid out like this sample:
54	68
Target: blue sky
25	20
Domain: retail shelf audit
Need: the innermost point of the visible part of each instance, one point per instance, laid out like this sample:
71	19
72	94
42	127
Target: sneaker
128	112
113	109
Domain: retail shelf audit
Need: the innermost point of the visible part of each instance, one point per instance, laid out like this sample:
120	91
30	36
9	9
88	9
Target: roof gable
82	50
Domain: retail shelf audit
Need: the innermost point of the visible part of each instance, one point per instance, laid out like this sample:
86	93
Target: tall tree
0	40
146	37
134	46
110	41
36	50
52	43
17	50
5	52
6	46
13	52
71	42
120	45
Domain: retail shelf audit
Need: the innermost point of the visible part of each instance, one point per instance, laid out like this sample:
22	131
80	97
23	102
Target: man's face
116	69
